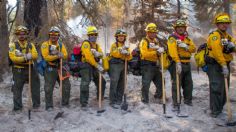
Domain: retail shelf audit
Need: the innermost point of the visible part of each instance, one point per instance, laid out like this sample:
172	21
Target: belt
185	63
184	58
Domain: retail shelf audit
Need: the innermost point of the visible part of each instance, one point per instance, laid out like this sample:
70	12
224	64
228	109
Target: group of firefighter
92	62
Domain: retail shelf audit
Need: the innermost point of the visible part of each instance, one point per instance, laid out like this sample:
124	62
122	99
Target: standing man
90	67
52	51
119	53
180	48
150	52
220	47
22	53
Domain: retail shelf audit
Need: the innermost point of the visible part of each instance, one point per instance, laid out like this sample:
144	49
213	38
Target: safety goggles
180	23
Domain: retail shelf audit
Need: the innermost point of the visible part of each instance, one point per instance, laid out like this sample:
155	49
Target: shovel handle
228	100
177	85
29	92
61	81
163	80
125	76
100	91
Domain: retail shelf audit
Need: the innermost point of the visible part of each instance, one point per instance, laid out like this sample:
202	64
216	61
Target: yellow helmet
222	18
92	30
151	27
21	29
180	23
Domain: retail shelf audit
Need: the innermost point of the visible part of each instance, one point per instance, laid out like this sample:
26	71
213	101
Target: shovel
163	88
230	121
100	110
60	113
179	114
124	105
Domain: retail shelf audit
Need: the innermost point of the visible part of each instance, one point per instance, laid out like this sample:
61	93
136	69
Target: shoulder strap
174	36
17	46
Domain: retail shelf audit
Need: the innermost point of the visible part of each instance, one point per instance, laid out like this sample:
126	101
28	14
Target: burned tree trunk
4	39
32	10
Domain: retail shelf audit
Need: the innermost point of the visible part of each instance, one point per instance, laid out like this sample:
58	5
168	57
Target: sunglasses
54	34
93	35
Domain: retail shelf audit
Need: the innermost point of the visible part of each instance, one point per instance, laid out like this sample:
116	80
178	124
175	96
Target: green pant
185	80
20	77
88	74
116	73
217	88
151	73
51	77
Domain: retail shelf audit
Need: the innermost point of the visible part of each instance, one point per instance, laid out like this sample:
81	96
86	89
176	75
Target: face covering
92	38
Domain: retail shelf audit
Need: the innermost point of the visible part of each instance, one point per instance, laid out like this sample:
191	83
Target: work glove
153	46
178	68
96	53
160	50
183	45
124	52
225	71
28	56
125	46
224	41
18	53
100	68
60	55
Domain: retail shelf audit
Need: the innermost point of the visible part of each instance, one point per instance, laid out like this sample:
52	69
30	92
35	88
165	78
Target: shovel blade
101	111
231	123
124	106
58	115
29	114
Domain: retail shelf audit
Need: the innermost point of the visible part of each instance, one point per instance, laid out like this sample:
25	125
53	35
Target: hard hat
21	29
222	18
55	29
151	27
120	32
92	30
180	23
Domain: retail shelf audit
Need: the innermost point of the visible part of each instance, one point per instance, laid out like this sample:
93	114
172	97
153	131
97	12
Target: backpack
200	56
17	46
135	63
42	64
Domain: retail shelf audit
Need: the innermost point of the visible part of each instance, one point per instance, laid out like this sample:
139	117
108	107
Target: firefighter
90	67
220	47
21	53
150	51
52	51
119	53
180	49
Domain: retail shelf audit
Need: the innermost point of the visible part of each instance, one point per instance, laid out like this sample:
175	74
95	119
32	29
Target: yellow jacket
19	61
48	56
216	48
179	54
114	52
87	55
147	53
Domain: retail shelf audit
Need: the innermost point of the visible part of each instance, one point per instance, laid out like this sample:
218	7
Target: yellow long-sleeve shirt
19	61
179	54
115	53
216	48
45	49
147	53
87	55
